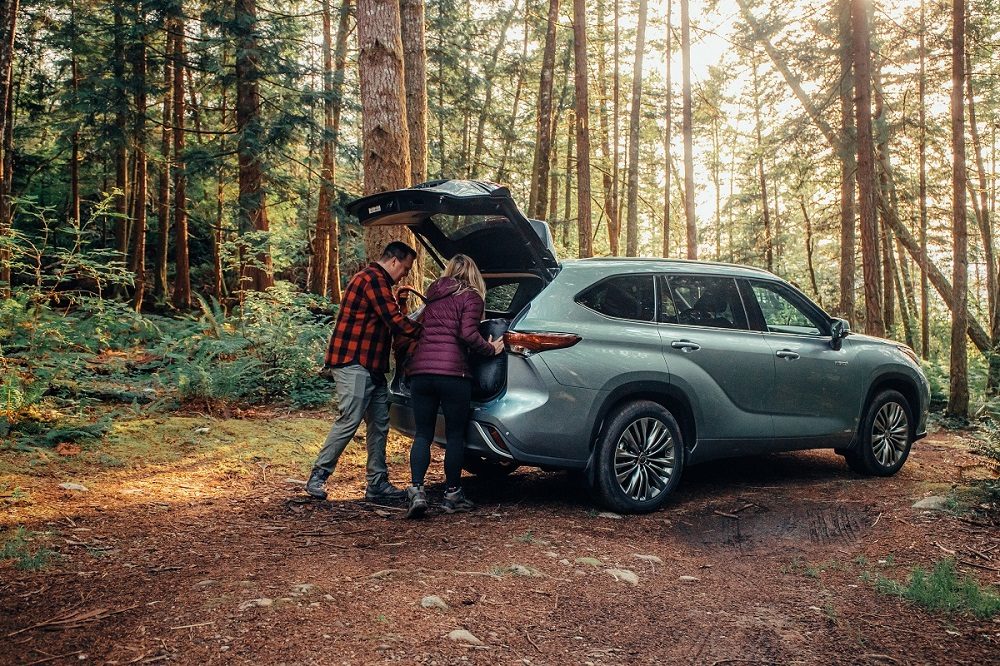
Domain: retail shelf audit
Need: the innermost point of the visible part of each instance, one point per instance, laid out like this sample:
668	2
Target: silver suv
631	369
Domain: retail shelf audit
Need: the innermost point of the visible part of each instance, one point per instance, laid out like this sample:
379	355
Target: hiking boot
314	486
384	492
418	501
455	501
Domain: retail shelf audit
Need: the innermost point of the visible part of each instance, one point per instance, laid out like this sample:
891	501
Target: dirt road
767	560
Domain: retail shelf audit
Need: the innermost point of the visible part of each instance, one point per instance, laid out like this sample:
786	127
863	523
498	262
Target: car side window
702	300
782	314
622	297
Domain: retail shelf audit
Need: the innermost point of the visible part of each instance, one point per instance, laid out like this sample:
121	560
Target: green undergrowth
942	590
18	547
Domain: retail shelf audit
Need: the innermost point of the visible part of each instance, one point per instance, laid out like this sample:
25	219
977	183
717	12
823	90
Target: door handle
685	346
786	354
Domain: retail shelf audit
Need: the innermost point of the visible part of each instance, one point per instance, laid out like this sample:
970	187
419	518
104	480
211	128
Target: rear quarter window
622	297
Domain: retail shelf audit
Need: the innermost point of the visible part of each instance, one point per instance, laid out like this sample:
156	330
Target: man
359	356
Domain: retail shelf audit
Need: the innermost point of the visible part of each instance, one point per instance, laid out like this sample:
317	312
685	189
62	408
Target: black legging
452	395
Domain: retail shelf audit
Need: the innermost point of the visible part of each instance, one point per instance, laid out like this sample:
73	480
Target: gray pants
358	397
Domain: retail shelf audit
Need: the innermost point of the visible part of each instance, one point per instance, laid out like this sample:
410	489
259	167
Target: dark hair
398	250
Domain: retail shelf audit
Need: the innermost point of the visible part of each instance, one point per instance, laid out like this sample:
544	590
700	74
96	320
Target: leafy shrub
267	351
16	547
942	590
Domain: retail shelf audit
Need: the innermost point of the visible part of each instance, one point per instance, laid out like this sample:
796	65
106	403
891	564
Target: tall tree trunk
8	23
616	198
907	302
761	180
922	121
874	324
809	252
339	69
509	135
887	193
182	276
324	209
667	132
74	165
218	274
986	232
717	185
687	130
139	256
489	74
163	195
385	135
415	77
121	134
553	216
632	223
250	132
605	159
543	124
958	397
568	201
584	230
847	148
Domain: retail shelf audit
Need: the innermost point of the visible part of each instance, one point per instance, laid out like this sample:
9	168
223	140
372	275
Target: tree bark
809	252
874	323
74	166
415	77
139	255
340	67
668	131
120	142
385	135
986	232
324	209
568	201
8	24
632	222
958	398
543	128
761	179
182	276
582	130
250	131
687	129
605	157
922	122
847	148
163	196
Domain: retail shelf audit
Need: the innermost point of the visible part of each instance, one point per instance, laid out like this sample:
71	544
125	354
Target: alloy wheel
890	434
644	459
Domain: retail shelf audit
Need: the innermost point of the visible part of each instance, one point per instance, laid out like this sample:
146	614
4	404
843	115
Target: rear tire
885	438
486	468
639	458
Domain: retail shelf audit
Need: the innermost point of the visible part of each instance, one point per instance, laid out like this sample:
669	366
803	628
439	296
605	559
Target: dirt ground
769	560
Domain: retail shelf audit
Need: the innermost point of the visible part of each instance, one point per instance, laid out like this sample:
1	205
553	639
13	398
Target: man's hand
497	344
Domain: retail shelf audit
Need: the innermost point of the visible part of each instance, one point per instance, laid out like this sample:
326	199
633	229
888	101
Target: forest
174	172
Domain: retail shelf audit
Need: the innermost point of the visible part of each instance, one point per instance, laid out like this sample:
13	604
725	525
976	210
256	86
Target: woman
440	377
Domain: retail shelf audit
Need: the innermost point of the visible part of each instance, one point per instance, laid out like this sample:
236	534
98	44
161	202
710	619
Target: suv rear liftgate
515	255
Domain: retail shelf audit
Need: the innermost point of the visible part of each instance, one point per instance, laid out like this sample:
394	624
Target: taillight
530	343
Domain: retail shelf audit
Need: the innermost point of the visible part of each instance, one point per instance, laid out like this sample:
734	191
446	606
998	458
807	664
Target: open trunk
515	255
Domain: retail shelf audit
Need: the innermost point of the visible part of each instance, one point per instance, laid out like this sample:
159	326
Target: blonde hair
464	270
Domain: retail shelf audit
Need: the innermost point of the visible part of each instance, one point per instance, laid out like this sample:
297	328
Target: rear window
622	297
702	300
455	227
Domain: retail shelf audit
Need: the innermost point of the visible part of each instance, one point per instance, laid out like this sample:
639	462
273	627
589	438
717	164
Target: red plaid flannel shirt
369	317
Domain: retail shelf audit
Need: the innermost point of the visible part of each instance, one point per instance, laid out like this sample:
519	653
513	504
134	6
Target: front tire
886	436
639	458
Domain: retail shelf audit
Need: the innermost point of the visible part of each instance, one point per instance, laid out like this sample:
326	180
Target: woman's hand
497	344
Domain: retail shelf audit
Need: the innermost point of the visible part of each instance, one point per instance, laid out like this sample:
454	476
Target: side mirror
839	329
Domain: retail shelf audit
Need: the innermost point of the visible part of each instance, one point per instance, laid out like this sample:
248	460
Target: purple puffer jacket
451	329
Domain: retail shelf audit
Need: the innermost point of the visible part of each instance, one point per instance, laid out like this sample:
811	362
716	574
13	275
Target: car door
814	395
724	368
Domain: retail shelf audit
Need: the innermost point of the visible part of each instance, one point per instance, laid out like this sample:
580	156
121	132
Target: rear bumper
477	436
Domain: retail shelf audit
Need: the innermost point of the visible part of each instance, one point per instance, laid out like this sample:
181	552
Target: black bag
489	373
